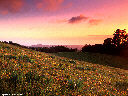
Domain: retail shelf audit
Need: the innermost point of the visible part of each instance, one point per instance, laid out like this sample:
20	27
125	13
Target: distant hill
69	46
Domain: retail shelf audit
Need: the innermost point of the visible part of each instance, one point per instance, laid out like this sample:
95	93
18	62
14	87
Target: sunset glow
61	22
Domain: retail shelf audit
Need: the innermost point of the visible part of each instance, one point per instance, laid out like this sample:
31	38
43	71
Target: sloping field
32	73
97	58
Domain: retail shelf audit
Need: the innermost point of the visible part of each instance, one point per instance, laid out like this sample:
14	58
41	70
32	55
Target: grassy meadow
97	58
32	73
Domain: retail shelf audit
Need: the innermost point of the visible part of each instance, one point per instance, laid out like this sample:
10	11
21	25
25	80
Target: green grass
32	73
97	58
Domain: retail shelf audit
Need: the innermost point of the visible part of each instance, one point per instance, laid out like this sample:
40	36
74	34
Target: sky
61	22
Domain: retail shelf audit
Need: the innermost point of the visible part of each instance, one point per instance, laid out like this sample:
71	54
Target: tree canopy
120	38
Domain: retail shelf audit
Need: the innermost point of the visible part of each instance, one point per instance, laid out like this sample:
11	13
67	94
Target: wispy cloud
78	19
99	36
49	5
82	18
94	21
61	21
12	6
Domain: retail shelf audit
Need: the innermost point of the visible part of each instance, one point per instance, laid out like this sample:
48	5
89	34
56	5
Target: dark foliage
118	45
53	49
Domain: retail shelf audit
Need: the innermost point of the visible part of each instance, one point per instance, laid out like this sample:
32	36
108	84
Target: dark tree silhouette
108	41
114	46
120	38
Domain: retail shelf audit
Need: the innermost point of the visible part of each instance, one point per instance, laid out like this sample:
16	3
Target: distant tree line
54	49
118	45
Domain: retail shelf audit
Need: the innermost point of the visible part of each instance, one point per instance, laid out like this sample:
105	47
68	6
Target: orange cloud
94	21
49	5
7	6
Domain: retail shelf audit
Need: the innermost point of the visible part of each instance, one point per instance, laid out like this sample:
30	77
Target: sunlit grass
32	73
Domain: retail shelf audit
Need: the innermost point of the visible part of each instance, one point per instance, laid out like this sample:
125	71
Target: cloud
49	5
99	37
5	12
77	19
61	21
94	21
7	6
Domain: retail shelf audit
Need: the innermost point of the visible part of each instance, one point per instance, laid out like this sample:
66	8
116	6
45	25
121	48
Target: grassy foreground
32	73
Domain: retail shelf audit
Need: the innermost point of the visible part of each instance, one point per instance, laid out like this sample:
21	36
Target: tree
120	38
108	41
10	42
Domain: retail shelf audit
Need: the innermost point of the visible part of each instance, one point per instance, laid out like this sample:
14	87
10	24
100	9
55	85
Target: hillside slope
32	73
97	58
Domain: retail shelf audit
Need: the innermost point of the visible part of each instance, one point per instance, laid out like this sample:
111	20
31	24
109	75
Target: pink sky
61	22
